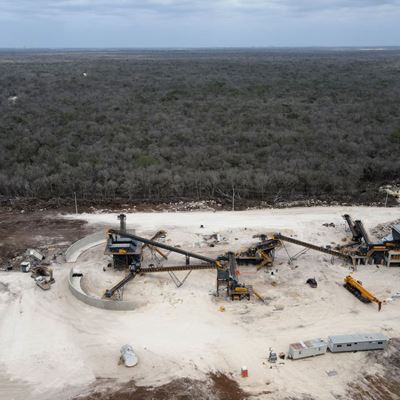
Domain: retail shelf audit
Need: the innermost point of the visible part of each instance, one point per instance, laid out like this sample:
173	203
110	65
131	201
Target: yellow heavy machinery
132	245
355	287
262	254
240	292
127	251
385	250
228	278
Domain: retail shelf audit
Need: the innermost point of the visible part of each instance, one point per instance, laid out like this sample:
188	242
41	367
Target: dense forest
199	124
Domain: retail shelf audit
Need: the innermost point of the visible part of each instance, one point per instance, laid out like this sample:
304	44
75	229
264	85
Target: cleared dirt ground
39	230
54	345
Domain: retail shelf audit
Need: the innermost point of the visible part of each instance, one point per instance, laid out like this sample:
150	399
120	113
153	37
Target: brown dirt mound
217	387
20	231
385	386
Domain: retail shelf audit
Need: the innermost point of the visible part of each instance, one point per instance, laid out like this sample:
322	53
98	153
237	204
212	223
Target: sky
198	23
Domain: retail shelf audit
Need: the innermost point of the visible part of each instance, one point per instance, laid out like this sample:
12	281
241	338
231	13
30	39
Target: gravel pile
382	230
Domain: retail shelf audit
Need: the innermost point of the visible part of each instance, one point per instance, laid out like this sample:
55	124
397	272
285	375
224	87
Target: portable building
307	348
357	342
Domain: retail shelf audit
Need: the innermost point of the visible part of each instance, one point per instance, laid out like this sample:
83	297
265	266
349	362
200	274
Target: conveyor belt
178	268
360	227
164	246
312	246
119	285
109	293
357	235
232	266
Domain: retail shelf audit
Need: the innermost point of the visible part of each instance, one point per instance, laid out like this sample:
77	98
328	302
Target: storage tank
128	356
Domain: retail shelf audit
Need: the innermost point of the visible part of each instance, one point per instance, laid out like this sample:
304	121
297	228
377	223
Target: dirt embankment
20	231
384	385
217	387
67	205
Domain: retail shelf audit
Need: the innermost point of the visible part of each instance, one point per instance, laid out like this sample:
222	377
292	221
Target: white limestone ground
53	344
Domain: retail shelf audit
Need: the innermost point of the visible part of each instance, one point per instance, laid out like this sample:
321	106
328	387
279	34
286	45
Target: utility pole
76	204
233	198
387	195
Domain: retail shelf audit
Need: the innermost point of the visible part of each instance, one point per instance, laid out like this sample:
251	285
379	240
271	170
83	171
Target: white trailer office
307	348
358	342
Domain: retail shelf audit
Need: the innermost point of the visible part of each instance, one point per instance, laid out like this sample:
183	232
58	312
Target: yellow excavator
355	287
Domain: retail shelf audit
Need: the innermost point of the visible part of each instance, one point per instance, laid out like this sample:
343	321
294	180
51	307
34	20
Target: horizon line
200	47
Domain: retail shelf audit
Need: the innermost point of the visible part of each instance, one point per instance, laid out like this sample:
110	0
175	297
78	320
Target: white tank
128	356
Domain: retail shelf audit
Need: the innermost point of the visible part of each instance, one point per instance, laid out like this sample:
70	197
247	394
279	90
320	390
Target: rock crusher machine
385	251
361	250
126	250
261	254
